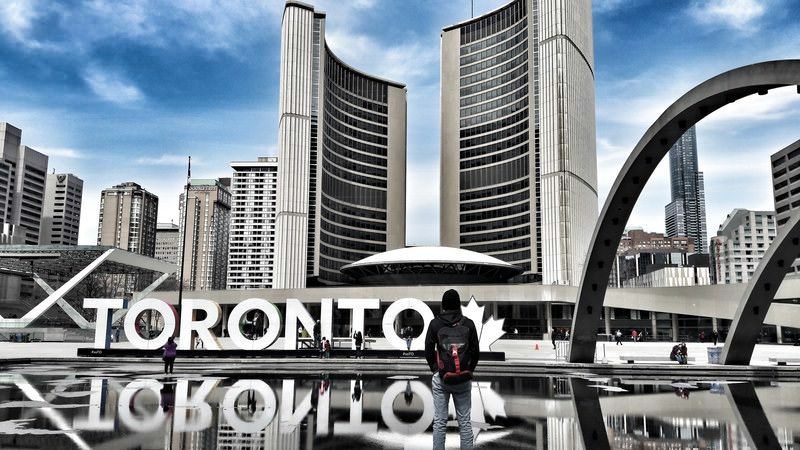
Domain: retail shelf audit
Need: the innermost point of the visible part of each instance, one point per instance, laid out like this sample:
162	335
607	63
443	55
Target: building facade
518	160
640	240
207	222
168	243
685	215
23	173
251	251
786	182
671	277
61	216
740	244
342	148
128	218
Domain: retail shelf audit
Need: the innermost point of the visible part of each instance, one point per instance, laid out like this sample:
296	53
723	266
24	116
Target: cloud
164	160
112	87
740	15
17	16
778	104
63	153
603	6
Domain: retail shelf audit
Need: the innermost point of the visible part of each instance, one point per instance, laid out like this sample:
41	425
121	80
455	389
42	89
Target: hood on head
451	316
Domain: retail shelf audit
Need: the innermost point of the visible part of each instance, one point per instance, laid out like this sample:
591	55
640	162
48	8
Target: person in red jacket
170	352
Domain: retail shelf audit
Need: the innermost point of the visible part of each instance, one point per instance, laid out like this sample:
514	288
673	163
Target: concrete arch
761	289
696	104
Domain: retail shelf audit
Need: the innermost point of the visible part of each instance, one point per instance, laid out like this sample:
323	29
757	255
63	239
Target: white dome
430	255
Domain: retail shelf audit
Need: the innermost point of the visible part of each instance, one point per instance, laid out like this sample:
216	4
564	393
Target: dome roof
431	255
430	265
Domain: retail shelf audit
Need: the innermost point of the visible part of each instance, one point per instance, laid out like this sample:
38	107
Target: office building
168	243
61	216
641	253
518	160
23	173
207	222
786	182
640	240
740	244
342	152
251	252
128	219
685	215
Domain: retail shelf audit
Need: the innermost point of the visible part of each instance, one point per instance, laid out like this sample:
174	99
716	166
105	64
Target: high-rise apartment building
342	152
208	216
786	182
23	173
128	218
168	243
518	160
685	215
251	252
740	244
61	216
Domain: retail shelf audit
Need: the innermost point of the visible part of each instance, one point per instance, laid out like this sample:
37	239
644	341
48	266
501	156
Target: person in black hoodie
452	351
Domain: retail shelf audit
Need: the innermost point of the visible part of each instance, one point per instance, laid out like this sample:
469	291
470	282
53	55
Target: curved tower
518	162
341	156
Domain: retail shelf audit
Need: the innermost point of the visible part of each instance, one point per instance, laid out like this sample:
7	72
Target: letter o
167	312
273	318
125	403
262	418
395	424
396	308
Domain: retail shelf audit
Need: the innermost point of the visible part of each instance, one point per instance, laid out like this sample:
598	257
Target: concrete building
168	243
740	244
61	217
786	182
640	240
518	160
128	218
23	173
686	214
342	148
206	252
251	252
671	276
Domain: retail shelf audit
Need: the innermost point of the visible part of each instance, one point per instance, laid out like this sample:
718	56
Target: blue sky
116	91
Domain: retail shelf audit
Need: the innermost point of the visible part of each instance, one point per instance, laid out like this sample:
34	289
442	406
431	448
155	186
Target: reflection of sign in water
296	313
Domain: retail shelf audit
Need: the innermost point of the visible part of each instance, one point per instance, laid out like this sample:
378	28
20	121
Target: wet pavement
130	406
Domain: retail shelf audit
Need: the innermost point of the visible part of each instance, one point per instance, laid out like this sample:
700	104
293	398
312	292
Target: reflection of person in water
251	402
408	394
167	397
356	397
682	392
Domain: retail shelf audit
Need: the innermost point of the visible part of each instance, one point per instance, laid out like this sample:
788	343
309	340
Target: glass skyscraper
685	215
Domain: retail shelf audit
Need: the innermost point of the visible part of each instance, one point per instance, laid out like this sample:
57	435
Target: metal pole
183	243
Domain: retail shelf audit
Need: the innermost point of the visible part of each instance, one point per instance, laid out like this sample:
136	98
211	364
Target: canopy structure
430	265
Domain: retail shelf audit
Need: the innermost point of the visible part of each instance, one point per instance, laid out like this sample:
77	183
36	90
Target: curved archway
761	290
696	104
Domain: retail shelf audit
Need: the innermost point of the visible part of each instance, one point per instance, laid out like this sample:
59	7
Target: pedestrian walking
553	338
452	352
408	335
358	339
702	336
327	347
170	352
618	337
715	336
634	335
317	332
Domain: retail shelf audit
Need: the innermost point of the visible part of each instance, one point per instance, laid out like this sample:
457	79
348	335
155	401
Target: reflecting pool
119	407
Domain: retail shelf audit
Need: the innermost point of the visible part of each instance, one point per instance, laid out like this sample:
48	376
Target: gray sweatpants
462	398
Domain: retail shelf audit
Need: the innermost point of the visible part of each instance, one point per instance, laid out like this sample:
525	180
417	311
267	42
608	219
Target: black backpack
453	352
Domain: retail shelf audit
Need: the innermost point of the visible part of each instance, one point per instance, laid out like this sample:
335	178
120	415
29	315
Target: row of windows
342	105
345	116
516	256
495	191
499	70
496	125
486	43
489	84
336	148
351	193
497	92
520	139
495	224
352	222
494	115
495	136
343	255
505	45
331	121
494	158
333	205
496	213
520	49
495	235
351	245
502	101
354	81
498	21
495	202
352	177
499	246
350	165
354	100
354	144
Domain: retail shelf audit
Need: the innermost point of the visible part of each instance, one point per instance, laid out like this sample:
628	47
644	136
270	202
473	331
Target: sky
124	91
